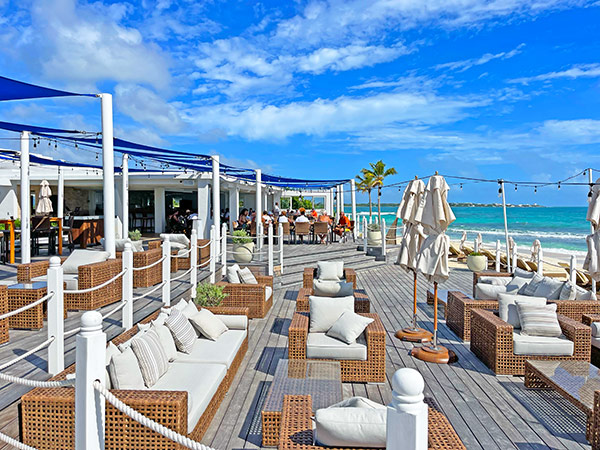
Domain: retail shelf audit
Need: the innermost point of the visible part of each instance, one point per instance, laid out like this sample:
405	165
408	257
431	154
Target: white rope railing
155	263
205	263
72	332
182	253
44	344
151	291
178	277
26	307
15	443
140	418
95	288
203	246
36	383
119	307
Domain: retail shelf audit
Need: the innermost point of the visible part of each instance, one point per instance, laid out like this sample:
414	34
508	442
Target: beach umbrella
44	205
478	242
592	259
463	239
535	250
412	238
435	215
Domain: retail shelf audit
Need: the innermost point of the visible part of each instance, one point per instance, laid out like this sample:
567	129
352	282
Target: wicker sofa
48	413
150	276
492	340
361	300
88	276
258	298
369	370
3	310
297	430
184	262
311	273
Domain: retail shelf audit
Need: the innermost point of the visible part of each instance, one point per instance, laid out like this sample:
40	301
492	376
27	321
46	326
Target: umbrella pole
414	333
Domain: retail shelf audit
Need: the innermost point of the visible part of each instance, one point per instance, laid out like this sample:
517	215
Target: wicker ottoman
23	294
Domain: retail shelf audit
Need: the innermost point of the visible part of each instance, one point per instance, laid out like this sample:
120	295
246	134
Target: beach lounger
455	251
580	277
554	272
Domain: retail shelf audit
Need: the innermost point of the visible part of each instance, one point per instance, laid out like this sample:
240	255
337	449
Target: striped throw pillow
246	276
182	331
538	320
152	359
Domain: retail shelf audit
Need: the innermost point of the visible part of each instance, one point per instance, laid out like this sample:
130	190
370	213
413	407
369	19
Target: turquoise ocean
560	229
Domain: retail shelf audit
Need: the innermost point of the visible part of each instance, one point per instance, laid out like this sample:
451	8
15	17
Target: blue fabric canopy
18	127
17	90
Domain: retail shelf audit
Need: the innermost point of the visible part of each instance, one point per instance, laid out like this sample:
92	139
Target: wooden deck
487	411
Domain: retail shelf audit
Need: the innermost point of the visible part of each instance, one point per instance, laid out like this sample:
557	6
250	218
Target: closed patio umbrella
44	205
412	238
592	259
479	242
435	215
535	250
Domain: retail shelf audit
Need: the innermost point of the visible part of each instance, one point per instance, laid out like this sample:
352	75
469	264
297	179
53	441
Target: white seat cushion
538	345
488	291
71	280
321	346
83	258
234	322
178	246
221	351
200	382
268	292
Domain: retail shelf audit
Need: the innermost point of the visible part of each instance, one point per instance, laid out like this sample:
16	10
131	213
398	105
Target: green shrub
208	294
475	254
17	223
135	235
241	237
373	227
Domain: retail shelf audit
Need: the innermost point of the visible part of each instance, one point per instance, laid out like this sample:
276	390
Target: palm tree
365	184
377	173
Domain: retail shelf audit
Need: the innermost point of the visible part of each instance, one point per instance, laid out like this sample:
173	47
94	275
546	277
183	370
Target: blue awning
17	90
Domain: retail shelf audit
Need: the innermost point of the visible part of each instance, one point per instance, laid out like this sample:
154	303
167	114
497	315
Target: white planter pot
242	253
477	263
374	238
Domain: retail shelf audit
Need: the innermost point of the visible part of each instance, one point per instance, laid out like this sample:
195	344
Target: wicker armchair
297	431
492	342
311	273
3	310
150	276
589	319
252	296
48	414
372	370
361	301
89	275
183	263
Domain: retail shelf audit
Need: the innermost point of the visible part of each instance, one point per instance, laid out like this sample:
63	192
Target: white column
25	200
60	204
234	205
194	261
159	209
127	312
365	244
125	195
331	201
353	200
56	319
341	198
224	251
515	255
337	203
280	233
108	176
166	271
90	354
258	196
573	269
540	262
270	244
591	181
407	425
216	194
213	254
498	255
203	209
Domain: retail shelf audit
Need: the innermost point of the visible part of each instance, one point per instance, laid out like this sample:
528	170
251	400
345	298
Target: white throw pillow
182	331
507	307
488	291
190	309
348	327
166	340
125	371
181	305
330	270
548	288
351	427
232	274
83	258
246	276
324	311
111	350
179	238
583	294
160	319
568	291
358	402
208	325
152	359
516	284
330	288
531	286
498	281
538	320
523	273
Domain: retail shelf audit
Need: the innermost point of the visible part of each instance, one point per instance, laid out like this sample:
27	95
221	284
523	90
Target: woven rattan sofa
184	262
297	431
371	370
48	414
311	273
361	300
150	276
492	342
256	297
88	276
3	310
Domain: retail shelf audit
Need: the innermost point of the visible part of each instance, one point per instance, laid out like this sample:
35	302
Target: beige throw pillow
348	327
208	324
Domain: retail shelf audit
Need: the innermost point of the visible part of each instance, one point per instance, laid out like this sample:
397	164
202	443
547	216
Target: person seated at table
243	220
283	217
302	217
343	225
314	214
323	218
266	218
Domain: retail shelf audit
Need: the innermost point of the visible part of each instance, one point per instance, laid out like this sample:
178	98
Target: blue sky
318	89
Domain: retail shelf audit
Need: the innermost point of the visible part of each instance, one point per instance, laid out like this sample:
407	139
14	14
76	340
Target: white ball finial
54	261
128	246
408	385
91	321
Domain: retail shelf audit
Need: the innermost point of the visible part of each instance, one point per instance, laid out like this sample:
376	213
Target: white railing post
224	250
90	357
365	230
515	255
166	271
259	237
573	271
540	262
383	243
476	245
193	262
127	314
407	413
213	253
498	255
270	243
281	249
56	318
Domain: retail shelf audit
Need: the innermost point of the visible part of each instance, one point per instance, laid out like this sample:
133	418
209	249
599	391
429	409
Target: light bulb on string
559	185
461	185
515	187
96	156
535	189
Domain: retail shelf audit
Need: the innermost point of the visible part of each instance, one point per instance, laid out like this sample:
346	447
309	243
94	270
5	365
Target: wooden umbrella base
439	355
414	335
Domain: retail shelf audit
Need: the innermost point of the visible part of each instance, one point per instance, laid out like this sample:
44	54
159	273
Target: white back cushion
83	258
232	274
330	270
208	325
324	311
330	288
549	288
177	237
125	372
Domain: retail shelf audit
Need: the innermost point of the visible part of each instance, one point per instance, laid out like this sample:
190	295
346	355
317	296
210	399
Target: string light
559	185
535	189
515	188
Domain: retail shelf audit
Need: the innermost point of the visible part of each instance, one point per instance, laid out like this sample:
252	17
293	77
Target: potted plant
135	235
476	262
208	295
373	235
243	247
136	240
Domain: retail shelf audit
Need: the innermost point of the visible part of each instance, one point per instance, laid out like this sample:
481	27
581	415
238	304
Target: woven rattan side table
576	381
22	294
320	379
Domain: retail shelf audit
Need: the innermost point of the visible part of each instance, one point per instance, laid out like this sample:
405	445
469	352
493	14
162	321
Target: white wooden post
25	200
127	314
383	243
365	235
476	245
56	318
353	200
259	237
125	194
194	263
89	405
108	174
60	201
498	255
224	250
280	249
166	271
407	413
573	269
213	253
270	244
515	255
216	193
540	262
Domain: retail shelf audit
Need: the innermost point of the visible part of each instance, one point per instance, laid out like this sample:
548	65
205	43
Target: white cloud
466	64
581	131
576	71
